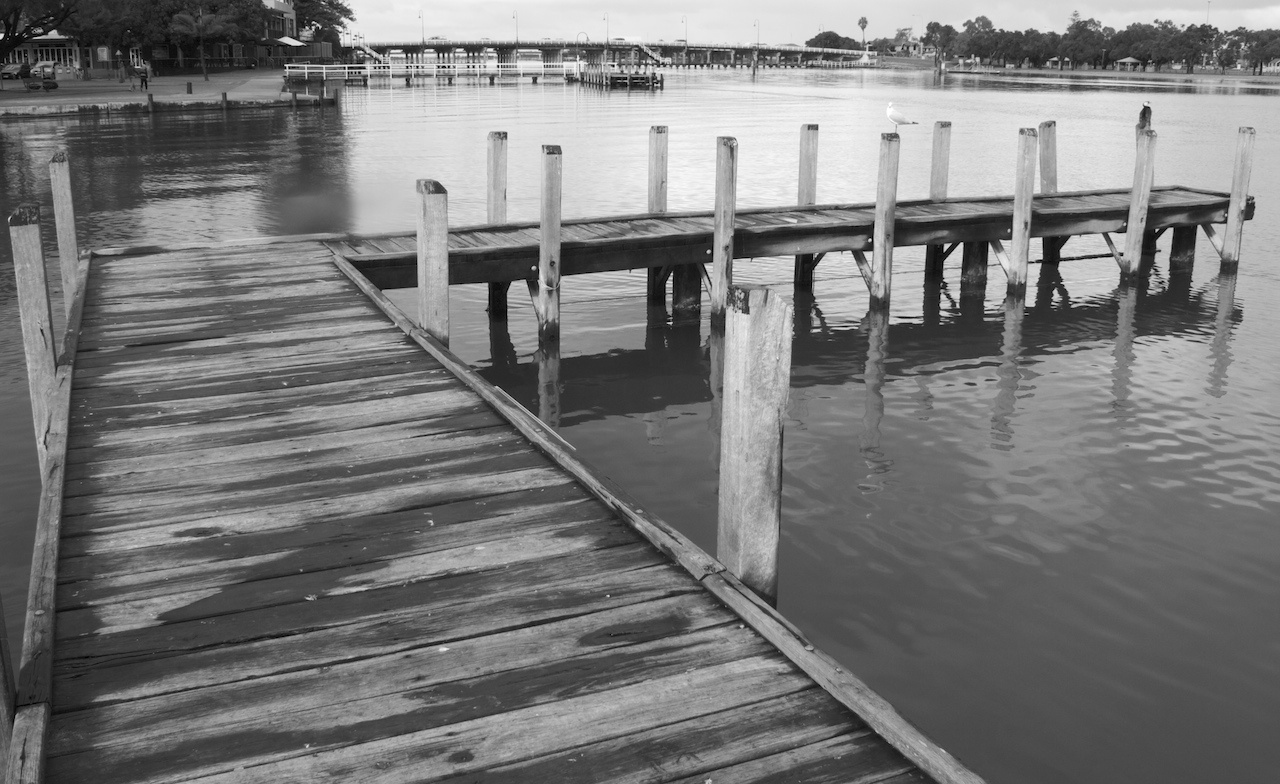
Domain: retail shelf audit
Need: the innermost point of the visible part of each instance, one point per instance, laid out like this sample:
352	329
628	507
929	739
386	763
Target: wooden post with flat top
496	211
658	204
36	317
935	255
1051	247
1139	202
722	242
64	221
886	213
807	194
545	288
1024	189
757	376
1239	197
433	260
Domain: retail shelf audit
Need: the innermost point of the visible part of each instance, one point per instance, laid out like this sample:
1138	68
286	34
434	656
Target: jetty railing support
1051	247
64	221
1239	197
545	288
939	174
757	375
807	194
722	242
433	260
881	267
36	315
496	210
658	204
1015	263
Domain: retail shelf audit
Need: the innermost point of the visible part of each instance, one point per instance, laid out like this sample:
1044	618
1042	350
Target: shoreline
1207	78
242	89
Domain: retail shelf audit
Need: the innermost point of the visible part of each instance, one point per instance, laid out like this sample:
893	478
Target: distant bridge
656	53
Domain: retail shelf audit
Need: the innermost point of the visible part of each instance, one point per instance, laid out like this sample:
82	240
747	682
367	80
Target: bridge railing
400	70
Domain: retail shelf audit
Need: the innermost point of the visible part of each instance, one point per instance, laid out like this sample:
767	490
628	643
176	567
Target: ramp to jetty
299	541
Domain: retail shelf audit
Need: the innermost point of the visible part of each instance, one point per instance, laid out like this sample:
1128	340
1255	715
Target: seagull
897	118
1144	117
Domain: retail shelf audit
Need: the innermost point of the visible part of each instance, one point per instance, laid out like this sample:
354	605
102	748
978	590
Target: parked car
15	71
45	69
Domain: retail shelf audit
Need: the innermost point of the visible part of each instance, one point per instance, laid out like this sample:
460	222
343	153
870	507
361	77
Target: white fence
400	70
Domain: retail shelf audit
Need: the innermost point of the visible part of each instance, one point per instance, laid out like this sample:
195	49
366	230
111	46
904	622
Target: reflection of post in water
1009	372
502	352
1220	349
1049	283
973	279
1122	371
873	376
548	359
932	307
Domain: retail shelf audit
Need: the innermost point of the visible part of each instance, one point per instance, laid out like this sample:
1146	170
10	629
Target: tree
829	39
862	22
23	20
322	15
942	38
1083	41
200	25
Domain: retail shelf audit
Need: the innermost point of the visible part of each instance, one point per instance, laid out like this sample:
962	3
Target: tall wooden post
807	194
8	694
1239	197
496	211
548	359
1024	189
433	260
973	277
1139	202
886	212
938	176
64	220
36	317
657	204
546	289
726	206
1051	247
757	375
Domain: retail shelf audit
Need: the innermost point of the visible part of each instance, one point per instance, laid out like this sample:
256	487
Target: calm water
1050	536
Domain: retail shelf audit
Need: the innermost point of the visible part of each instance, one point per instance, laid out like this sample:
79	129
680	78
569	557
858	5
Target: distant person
144	81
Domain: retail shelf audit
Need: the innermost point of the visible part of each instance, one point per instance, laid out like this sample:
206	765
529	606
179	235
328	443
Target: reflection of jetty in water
675	368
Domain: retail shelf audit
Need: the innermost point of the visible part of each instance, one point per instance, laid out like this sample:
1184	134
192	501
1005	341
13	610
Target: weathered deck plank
296	546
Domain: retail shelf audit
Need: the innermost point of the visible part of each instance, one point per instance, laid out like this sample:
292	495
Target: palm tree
862	22
200	25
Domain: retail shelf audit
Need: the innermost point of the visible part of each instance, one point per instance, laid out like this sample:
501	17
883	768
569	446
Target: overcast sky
780	21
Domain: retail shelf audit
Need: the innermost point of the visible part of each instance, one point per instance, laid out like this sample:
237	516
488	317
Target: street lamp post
516	16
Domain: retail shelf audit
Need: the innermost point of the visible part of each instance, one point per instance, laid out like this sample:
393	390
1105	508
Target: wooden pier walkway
503	253
297	540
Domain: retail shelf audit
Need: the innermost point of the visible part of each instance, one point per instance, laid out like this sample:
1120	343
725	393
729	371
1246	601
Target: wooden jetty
285	534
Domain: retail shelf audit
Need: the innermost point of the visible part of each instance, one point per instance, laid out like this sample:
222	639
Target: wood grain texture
882	241
1140	202
722	247
36	317
64	217
1236	211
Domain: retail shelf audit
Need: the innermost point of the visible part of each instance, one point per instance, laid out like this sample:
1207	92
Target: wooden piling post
433	260
938	176
1051	247
1023	192
545	289
1139	202
757	374
496	204
886	212
807	194
1239	197
8	694
36	316
973	269
1182	251
657	203
64	221
725	210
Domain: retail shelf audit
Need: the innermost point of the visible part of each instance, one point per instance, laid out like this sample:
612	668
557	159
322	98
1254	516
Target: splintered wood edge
142	250
25	761
765	620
